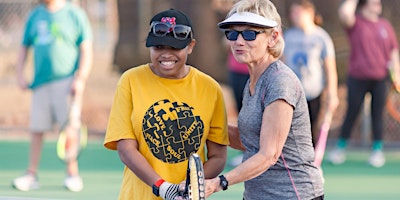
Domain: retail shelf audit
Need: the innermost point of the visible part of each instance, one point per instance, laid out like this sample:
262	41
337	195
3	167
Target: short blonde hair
267	9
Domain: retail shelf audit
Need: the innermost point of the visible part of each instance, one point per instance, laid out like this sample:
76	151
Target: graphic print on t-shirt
171	131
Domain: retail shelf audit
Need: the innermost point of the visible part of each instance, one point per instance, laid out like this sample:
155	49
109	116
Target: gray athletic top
279	82
305	54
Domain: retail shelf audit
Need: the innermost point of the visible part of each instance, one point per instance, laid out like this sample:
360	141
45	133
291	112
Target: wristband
223	182
156	187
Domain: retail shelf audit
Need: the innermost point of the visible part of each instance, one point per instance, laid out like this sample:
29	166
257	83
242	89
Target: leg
356	90
40	122
314	106
379	94
35	152
355	97
67	108
377	158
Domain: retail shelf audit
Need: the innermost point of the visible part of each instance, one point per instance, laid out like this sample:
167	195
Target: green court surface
101	170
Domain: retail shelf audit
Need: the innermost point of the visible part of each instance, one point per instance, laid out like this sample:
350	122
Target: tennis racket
393	99
67	147
323	136
194	188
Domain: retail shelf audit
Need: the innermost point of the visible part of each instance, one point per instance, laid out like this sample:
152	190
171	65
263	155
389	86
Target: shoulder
322	31
75	11
280	71
291	31
203	76
204	81
134	73
37	10
386	22
74	8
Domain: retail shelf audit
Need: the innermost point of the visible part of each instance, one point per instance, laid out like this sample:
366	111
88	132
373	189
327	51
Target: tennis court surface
101	170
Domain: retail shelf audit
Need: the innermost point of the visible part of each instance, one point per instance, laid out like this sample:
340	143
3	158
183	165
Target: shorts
50	105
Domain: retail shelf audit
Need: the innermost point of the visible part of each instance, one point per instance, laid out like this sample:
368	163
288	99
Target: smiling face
168	62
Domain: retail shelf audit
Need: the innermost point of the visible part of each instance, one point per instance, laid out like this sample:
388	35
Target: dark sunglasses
180	32
248	35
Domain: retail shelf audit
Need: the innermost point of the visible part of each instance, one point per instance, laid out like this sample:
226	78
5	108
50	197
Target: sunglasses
180	32
248	35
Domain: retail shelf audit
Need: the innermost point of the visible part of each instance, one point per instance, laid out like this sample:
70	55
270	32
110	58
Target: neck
255	71
307	26
54	5
369	15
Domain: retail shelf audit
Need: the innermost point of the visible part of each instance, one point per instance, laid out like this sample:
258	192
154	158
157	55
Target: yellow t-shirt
169	118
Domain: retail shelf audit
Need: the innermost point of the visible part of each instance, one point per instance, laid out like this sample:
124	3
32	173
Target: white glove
169	191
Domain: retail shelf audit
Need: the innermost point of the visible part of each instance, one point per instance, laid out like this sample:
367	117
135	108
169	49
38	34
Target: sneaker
237	160
73	183
26	182
337	156
377	159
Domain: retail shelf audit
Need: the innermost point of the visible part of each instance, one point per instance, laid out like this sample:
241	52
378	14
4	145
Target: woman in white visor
273	128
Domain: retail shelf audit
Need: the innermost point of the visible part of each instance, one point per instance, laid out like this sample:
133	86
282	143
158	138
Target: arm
22	83
216	159
347	12
395	67
129	154
234	137
277	119
85	65
332	99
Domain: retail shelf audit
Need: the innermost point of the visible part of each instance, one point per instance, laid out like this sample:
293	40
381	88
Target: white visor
247	18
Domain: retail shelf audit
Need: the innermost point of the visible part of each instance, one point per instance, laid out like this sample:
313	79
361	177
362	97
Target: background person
60	35
163	112
310	52
374	46
273	127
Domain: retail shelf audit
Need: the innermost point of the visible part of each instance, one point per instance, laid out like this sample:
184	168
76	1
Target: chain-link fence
13	13
103	18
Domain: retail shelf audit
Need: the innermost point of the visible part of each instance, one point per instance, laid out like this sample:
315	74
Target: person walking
163	112
273	128
374	49
60	35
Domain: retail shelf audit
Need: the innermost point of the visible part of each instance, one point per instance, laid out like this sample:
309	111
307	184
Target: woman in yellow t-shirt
163	112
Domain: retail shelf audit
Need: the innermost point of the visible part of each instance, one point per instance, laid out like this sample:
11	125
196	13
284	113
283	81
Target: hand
212	186
397	85
78	86
234	137
22	83
169	191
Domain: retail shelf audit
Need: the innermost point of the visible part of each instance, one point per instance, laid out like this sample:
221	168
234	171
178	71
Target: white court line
24	198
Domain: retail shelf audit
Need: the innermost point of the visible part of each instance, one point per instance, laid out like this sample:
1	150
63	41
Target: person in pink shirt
374	50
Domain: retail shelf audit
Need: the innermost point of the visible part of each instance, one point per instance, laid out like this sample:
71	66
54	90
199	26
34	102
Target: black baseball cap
169	40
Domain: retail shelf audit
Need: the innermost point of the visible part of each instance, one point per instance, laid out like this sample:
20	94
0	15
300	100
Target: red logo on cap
169	20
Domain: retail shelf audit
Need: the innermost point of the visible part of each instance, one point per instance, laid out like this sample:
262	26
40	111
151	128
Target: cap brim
167	40
247	18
